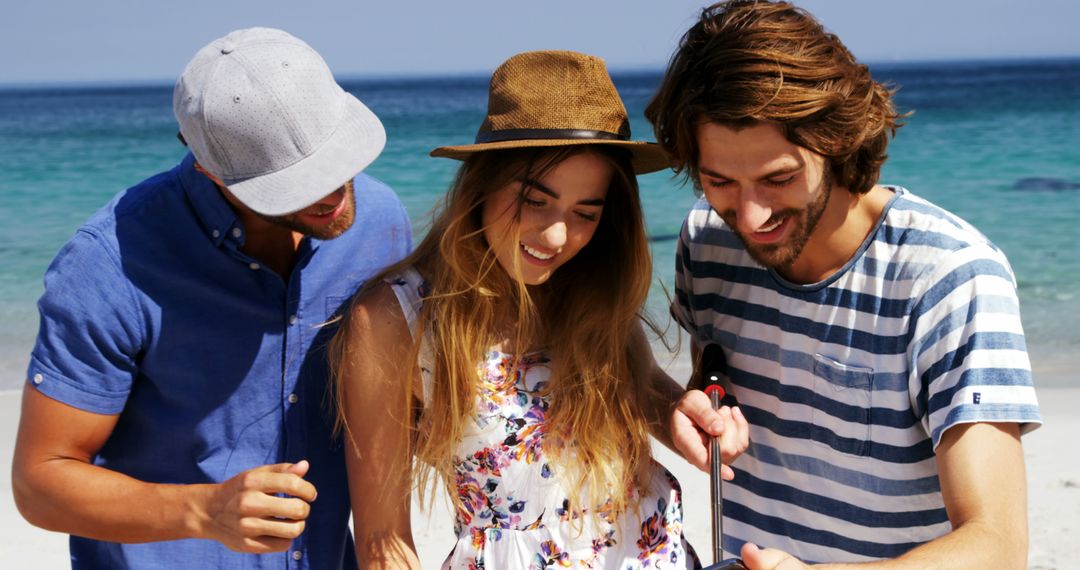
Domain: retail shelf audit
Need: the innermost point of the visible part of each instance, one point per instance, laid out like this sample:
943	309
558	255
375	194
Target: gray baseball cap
261	111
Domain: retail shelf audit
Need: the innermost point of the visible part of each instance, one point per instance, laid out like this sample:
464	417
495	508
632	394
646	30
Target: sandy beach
1053	470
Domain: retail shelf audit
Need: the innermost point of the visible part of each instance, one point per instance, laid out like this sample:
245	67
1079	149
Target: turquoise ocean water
996	142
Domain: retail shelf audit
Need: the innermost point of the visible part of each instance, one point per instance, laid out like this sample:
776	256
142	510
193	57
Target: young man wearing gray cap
177	388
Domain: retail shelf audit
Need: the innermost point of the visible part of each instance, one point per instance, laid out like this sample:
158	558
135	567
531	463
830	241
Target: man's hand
245	514
693	422
769	559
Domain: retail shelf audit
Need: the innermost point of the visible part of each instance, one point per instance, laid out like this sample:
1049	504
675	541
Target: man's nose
332	199
752	211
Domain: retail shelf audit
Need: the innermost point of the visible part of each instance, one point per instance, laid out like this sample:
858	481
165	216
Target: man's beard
324	231
781	255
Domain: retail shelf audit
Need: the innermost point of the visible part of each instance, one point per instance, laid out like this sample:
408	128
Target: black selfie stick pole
716	394
713	365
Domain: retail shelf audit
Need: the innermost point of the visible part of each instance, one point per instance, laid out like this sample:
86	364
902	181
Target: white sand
1053	467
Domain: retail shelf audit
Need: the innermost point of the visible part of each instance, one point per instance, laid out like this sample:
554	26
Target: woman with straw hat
507	356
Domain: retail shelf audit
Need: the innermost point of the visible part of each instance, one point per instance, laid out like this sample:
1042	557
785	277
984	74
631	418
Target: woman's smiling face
559	213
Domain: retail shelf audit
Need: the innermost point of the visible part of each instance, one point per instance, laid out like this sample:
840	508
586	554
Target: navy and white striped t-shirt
848	384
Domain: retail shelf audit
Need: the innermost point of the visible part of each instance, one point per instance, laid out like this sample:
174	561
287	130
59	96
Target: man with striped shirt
872	339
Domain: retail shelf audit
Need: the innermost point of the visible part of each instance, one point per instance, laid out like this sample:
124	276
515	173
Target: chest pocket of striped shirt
843	396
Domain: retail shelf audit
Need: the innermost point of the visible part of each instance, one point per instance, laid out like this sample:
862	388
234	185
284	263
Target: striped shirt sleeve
968	350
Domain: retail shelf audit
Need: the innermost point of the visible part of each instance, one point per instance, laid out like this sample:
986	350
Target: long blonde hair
584	316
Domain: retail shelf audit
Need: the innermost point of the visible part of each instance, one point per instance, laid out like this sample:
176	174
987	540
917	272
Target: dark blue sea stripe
837	509
883	381
784	527
969	413
826	296
848	477
860	447
825	332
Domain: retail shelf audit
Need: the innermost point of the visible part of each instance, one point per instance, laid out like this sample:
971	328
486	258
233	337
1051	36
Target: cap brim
355	144
646	156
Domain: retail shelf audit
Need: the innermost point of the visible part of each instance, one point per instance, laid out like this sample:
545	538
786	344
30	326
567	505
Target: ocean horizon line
468	75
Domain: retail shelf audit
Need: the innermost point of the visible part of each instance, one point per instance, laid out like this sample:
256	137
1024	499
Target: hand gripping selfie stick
713	366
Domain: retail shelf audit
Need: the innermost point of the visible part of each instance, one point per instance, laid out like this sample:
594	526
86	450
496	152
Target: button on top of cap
227	47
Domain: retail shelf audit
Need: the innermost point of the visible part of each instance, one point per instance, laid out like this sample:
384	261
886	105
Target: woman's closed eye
589	216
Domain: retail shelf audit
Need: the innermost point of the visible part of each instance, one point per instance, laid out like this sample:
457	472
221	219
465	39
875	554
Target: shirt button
293	398
216	234
254	266
38	378
297	555
292	319
236	232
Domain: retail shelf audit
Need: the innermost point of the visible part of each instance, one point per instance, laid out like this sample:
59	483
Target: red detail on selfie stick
714	388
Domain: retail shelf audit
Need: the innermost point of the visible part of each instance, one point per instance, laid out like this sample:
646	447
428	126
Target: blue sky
138	40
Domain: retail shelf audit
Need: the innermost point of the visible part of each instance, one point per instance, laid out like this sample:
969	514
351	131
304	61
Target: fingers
693	422
696	406
262	509
688	441
299	468
769	559
281	478
258	504
735	437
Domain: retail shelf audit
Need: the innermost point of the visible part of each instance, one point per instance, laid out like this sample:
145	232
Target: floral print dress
514	506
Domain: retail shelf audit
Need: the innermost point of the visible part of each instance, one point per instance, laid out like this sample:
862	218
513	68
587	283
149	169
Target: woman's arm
377	398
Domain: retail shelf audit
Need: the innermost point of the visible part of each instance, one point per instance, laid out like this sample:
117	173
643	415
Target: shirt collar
217	217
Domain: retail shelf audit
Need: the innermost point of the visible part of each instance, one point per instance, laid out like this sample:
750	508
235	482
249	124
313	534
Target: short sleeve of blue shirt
90	332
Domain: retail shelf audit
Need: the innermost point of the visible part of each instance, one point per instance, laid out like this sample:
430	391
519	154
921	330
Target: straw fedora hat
556	98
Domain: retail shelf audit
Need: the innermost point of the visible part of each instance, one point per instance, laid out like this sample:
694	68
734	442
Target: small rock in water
1045	184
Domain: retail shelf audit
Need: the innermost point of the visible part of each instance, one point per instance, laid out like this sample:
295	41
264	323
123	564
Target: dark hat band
551	134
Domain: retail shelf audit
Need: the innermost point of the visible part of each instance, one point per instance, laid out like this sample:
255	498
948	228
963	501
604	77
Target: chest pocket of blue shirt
843	397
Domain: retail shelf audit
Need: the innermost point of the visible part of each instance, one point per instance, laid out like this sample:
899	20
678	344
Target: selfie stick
713	364
716	394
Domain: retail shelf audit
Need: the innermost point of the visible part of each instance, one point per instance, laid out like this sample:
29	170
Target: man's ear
206	173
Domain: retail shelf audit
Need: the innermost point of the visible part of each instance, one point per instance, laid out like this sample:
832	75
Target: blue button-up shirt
215	363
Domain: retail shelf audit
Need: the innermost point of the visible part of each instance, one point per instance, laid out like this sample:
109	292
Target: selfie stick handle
716	394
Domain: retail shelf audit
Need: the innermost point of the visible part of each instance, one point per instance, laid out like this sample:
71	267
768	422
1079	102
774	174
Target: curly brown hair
749	61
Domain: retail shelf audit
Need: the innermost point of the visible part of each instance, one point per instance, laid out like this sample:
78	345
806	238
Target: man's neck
274	246
847	221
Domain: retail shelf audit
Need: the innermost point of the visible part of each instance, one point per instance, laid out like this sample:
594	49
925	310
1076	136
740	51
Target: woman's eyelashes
533	198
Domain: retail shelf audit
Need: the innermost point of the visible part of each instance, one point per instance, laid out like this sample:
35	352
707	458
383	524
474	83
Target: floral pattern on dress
513	509
508	490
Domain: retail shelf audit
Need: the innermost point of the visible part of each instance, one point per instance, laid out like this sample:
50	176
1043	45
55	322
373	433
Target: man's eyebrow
532	183
771	174
708	172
